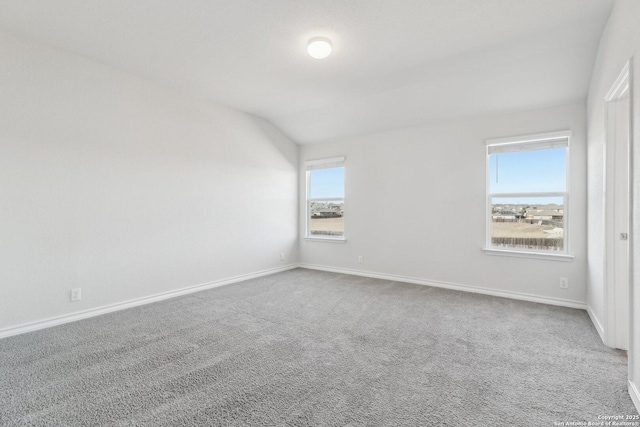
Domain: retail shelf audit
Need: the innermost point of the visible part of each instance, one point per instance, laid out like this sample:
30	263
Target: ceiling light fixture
319	47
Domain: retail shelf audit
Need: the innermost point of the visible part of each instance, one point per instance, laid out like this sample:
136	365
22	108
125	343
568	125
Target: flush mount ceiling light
319	47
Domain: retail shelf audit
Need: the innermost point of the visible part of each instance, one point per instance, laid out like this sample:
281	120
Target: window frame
532	139
329	163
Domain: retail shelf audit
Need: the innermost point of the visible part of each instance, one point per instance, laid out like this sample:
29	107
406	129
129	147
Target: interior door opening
617	212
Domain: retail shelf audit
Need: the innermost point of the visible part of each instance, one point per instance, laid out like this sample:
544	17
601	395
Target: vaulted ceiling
395	63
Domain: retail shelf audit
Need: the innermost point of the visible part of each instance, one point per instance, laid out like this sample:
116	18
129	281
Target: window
325	198
527	194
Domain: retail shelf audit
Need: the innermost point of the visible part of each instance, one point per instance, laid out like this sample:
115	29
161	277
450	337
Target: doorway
617	212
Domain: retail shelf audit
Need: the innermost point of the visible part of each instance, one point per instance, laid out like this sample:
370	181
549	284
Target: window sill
326	239
534	255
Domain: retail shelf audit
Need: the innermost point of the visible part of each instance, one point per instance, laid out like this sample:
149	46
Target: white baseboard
454	286
635	395
596	322
72	317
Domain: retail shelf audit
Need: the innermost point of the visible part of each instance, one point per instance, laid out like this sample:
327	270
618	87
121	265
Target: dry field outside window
543	235
327	226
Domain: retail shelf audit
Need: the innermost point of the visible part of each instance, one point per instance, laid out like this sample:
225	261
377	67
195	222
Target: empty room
319	213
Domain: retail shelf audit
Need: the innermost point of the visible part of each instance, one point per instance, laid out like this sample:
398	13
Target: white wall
415	205
126	189
620	42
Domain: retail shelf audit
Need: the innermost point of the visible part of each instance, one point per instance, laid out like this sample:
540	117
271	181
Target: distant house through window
325	198
527	193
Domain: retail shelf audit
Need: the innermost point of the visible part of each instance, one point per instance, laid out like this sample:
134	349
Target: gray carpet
307	348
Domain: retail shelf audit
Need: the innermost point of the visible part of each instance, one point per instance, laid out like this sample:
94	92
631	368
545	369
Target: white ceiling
396	63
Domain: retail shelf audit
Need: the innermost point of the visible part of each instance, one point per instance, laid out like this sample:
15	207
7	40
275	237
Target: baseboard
454	286
596	322
72	317
635	395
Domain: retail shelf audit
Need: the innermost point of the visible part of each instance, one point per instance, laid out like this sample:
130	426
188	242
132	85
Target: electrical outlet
76	294
564	282
360	259
281	257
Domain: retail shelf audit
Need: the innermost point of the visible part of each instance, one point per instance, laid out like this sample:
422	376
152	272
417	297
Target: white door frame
620	88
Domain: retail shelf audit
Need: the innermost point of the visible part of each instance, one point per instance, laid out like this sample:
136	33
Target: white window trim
333	162
325	239
509	144
527	254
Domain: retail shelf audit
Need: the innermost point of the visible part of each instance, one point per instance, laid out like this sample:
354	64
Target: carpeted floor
307	348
